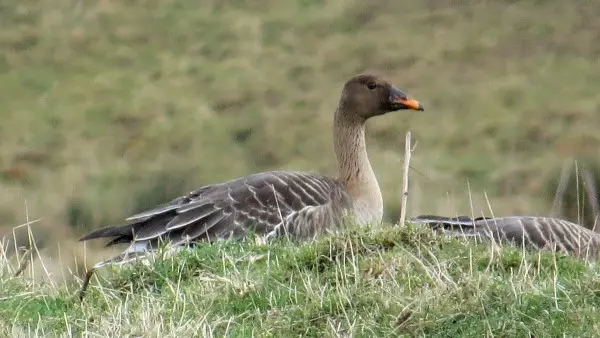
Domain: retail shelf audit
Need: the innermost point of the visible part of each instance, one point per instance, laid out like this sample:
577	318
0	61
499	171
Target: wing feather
189	216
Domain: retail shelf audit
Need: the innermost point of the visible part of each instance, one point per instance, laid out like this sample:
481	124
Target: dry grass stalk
404	198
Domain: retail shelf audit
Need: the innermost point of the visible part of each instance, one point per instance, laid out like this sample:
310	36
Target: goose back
274	203
536	233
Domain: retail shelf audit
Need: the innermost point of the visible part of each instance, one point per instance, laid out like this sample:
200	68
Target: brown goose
297	204
536	233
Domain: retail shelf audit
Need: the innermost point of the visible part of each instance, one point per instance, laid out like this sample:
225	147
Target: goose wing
270	203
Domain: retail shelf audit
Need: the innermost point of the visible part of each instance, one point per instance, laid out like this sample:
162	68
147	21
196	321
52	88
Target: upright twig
404	198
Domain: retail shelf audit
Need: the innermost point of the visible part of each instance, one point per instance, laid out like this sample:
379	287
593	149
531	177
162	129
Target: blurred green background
109	107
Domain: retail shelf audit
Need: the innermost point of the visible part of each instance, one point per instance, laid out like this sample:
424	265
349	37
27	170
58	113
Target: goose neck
354	168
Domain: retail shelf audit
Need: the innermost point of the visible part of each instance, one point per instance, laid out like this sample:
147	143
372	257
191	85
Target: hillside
385	282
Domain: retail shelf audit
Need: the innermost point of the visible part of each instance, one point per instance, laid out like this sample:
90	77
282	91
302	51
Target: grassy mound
386	281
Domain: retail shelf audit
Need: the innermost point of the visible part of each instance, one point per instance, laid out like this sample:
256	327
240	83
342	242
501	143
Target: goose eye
371	85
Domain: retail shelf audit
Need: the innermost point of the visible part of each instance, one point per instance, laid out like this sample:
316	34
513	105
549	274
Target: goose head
368	95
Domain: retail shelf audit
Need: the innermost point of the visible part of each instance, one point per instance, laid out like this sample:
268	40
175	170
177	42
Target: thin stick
403	199
86	282
27	257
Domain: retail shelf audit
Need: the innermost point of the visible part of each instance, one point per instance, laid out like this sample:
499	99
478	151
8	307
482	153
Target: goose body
272	204
535	233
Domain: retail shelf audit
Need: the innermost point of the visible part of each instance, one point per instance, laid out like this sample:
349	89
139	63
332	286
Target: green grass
372	282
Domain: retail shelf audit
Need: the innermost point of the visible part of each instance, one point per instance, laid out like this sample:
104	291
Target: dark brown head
368	95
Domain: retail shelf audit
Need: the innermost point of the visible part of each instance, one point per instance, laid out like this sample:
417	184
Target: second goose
535	233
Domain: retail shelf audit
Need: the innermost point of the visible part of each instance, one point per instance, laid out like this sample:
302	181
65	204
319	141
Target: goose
531	232
299	205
